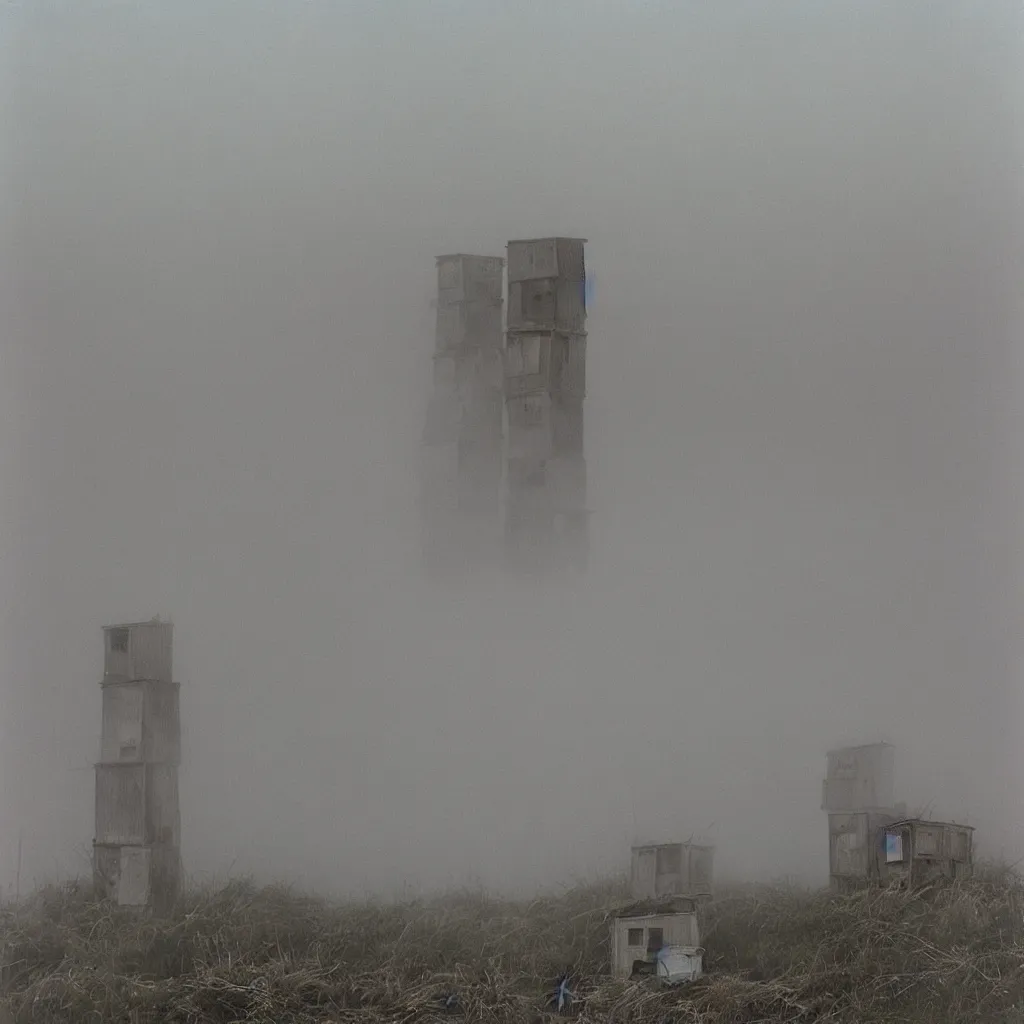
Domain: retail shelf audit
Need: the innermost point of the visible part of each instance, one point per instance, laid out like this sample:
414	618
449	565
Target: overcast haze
218	230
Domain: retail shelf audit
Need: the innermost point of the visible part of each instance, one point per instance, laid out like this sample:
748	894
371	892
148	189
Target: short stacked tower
136	850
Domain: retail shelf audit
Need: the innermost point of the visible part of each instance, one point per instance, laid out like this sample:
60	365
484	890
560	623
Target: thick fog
219	224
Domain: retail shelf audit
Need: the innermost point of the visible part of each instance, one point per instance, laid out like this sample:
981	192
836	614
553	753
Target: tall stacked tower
463	434
545	385
136	858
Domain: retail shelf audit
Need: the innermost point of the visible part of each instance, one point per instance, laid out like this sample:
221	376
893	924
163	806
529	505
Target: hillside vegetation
244	953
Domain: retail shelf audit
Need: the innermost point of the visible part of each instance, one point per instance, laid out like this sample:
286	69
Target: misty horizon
220	226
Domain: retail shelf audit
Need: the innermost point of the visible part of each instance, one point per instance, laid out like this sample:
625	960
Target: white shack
643	929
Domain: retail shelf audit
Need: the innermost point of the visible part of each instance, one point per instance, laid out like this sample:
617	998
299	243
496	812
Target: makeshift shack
645	928
671	869
913	852
883	850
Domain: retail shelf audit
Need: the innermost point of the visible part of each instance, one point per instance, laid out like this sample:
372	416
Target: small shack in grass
644	928
915	852
883	850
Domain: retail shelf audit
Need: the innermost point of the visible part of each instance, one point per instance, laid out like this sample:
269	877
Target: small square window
119	641
636	937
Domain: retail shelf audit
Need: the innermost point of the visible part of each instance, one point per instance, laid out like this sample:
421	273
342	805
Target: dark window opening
636	937
119	641
655	939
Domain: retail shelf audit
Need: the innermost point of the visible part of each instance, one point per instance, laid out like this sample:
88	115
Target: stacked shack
545	385
136	860
658	932
463	435
871	839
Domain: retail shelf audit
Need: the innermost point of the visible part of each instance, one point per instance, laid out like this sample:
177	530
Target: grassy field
244	953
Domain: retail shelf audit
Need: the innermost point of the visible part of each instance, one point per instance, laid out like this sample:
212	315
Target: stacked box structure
136	858
462	440
546	517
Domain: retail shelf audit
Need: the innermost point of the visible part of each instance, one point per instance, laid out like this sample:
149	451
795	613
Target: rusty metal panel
531	259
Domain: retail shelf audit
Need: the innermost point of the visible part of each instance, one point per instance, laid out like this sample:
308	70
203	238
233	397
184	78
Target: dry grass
266	955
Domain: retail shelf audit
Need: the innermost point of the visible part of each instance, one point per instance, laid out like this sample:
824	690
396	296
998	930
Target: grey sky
219	224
